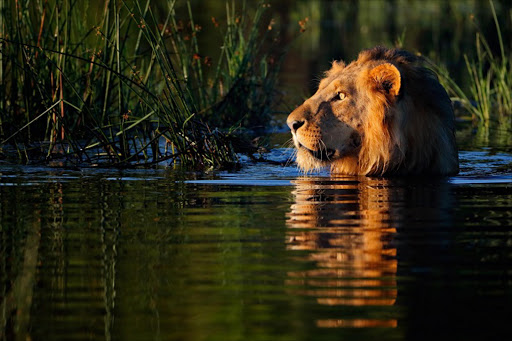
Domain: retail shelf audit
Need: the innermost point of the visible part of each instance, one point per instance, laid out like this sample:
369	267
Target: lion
381	115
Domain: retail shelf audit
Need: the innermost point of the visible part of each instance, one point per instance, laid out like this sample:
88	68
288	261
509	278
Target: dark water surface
260	254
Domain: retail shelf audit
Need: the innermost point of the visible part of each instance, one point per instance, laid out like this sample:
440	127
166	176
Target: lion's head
382	114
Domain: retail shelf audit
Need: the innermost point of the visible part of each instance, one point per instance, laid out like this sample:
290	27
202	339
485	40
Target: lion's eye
340	96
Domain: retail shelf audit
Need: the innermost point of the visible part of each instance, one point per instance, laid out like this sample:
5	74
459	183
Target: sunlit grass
133	88
490	80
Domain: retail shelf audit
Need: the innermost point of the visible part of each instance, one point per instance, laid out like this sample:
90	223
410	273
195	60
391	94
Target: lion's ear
386	78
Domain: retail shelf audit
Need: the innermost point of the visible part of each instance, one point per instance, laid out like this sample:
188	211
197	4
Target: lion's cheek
340	139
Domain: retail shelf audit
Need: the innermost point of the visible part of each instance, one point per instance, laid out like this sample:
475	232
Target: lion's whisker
285	144
288	144
326	149
291	158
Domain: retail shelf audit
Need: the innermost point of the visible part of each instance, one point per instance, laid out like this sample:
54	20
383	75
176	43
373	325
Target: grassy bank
133	87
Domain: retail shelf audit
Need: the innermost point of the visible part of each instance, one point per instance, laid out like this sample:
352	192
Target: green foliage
490	78
131	89
239	89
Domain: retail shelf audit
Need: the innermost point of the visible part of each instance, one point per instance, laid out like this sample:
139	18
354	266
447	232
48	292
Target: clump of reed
490	79
132	89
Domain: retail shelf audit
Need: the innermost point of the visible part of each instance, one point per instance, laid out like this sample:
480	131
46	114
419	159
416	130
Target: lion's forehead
342	80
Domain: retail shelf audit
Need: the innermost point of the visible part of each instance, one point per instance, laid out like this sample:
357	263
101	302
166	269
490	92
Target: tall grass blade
120	92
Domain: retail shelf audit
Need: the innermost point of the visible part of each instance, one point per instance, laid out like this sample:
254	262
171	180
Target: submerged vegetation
132	88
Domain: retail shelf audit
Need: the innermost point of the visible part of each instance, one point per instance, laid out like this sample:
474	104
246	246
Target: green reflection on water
154	257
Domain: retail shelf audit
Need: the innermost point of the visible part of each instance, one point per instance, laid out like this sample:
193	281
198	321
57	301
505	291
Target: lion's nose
295	125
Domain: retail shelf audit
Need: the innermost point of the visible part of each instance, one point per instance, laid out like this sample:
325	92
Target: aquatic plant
240	88
132	89
490	79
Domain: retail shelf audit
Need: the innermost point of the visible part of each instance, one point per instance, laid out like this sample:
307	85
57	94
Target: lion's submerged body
383	114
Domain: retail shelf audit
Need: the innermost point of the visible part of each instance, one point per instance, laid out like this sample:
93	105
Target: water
264	253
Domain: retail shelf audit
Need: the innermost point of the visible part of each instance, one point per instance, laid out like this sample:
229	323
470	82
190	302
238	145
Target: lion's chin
307	161
338	164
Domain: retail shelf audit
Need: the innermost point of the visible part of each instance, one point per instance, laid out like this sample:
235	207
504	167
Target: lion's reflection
348	225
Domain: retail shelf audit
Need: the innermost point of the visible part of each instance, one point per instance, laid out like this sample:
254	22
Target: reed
490	79
132	89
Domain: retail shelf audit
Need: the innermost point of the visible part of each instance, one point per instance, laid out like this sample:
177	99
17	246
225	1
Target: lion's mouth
322	154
